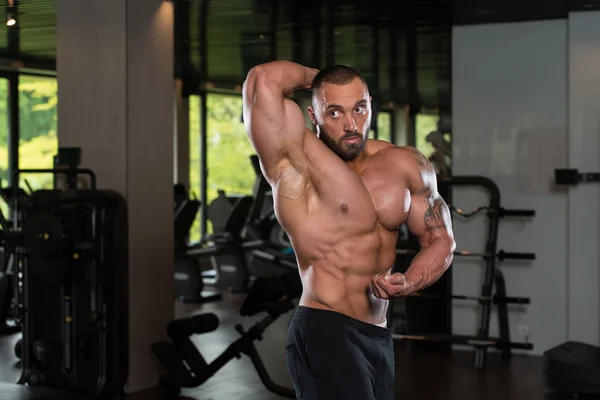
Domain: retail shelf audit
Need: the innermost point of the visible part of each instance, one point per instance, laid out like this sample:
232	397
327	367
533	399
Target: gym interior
141	255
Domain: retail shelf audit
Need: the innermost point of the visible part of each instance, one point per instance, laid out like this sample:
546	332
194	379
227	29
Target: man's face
342	114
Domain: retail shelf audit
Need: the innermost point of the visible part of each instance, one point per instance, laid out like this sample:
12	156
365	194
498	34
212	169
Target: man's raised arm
274	123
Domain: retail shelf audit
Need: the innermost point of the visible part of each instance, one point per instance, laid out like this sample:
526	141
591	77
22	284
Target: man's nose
350	123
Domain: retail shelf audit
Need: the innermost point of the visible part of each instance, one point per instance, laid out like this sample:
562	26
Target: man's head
341	110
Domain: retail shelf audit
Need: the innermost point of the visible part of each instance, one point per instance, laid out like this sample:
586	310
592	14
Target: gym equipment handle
467	340
512	300
183	328
495	299
565	176
218	249
518	213
503	255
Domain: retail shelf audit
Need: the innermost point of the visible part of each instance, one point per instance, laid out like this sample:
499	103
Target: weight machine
71	278
182	364
247	242
8	323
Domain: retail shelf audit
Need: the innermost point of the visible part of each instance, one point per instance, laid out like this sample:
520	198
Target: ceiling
403	52
402	48
37	30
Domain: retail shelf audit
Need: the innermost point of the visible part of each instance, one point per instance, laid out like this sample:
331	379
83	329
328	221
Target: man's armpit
291	184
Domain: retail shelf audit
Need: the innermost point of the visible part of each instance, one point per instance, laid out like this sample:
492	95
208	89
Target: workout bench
184	366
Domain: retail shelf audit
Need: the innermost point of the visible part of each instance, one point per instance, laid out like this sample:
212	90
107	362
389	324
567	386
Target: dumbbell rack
493	290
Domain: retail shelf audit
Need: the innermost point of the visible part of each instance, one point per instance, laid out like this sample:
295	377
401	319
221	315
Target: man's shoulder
375	145
395	153
408	162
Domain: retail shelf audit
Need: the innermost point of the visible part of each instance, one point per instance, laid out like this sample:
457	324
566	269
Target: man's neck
359	162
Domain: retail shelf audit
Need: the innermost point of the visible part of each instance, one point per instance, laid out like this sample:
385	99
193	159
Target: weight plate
44	235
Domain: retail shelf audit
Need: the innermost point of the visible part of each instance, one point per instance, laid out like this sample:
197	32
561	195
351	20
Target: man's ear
311	114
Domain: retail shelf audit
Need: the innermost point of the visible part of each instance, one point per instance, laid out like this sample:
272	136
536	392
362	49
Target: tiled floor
419	374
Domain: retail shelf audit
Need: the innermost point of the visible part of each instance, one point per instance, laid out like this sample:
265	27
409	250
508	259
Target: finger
395	279
386	288
377	290
392	289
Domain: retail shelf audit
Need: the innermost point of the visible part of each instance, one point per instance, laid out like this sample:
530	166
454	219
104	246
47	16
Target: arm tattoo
433	217
421	160
419	157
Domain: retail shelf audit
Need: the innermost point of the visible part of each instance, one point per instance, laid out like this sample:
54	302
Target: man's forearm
429	264
287	75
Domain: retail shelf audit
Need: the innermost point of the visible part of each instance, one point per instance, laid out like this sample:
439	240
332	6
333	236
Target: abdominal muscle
340	278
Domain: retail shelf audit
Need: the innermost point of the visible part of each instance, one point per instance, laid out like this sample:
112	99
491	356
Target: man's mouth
352	139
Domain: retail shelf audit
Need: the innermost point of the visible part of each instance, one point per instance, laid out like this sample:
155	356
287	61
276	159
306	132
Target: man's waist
324	316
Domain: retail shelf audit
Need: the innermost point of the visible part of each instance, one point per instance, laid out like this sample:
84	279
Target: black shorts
331	356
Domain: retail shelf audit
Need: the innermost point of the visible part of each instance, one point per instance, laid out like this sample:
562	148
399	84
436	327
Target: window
228	148
4	132
4	141
384	126
425	124
38	143
195	184
228	151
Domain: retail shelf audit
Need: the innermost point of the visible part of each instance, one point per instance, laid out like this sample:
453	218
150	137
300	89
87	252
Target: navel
344	207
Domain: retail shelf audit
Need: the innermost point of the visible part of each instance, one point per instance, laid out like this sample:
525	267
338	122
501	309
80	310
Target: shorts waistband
328	316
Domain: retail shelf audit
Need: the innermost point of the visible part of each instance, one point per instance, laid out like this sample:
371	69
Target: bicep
274	124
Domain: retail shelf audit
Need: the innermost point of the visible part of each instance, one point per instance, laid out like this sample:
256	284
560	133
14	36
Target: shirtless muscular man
341	198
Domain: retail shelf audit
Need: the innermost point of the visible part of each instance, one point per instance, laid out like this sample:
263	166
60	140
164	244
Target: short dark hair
337	75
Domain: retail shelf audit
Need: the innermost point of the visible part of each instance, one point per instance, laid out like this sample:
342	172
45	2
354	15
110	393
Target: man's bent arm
429	220
274	123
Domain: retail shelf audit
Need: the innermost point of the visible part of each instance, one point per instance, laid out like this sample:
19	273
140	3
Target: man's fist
388	286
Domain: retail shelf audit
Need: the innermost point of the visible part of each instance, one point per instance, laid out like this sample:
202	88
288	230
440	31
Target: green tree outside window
228	150
38	143
384	126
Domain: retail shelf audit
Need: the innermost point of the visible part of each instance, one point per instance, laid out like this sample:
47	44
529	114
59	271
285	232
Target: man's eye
360	109
334	114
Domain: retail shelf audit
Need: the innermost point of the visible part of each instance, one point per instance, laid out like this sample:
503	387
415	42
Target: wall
510	123
181	136
584	200
115	101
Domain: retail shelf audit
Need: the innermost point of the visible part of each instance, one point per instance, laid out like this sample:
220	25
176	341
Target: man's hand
387	286
312	72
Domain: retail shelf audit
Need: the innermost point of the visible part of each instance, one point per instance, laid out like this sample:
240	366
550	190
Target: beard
345	151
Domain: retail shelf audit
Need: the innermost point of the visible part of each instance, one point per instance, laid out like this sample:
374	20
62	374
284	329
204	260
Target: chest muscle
390	198
377	196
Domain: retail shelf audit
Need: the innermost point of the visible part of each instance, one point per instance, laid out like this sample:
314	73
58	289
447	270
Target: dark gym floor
419	374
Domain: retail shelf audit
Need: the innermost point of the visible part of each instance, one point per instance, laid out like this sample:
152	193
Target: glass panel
38	143
434	143
425	124
195	187
228	149
384	126
4	141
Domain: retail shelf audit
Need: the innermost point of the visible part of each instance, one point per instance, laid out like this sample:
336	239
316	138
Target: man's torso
343	225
